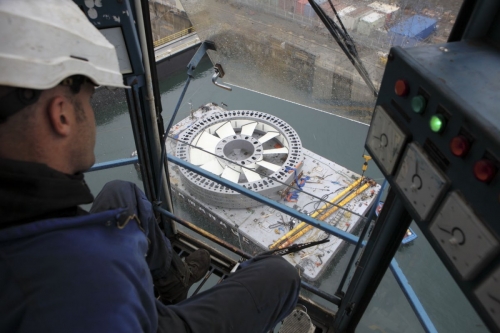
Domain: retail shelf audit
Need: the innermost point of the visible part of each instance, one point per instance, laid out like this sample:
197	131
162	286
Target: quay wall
326	76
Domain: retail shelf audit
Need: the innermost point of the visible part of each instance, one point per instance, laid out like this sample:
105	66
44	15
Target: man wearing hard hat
63	269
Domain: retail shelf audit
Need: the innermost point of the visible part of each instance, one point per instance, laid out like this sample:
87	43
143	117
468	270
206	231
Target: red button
402	88
484	170
459	146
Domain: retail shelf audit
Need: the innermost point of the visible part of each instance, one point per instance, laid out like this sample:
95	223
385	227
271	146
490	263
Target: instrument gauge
385	140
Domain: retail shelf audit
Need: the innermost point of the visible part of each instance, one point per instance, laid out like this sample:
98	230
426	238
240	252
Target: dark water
337	139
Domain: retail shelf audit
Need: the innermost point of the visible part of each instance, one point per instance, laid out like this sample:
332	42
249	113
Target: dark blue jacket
76	274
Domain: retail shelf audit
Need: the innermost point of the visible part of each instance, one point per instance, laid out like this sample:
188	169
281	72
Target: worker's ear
61	115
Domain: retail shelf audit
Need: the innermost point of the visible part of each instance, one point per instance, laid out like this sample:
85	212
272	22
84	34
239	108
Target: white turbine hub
254	149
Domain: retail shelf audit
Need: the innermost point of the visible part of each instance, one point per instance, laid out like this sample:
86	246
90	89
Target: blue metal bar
202	50
113	164
266	201
361	238
205	279
285	209
412	298
315	290
164	138
384	241
200	53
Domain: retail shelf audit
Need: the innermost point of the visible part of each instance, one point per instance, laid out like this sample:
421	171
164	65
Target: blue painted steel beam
266	201
200	53
412	298
285	209
113	164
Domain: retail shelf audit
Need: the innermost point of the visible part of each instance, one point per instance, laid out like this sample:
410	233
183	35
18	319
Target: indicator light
401	88
418	104
484	170
459	146
437	123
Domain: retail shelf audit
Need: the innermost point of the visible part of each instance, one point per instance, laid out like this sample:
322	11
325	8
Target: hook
219	72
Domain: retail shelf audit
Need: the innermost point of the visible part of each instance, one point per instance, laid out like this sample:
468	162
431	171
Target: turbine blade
276	151
268	136
270	166
248	129
251	175
207	142
213	166
225	130
230	174
199	157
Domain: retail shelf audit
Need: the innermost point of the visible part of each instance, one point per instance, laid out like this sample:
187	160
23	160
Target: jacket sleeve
81	274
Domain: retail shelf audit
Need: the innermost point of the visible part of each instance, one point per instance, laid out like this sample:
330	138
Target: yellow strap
302	225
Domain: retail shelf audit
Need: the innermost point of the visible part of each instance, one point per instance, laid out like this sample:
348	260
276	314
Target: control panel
435	134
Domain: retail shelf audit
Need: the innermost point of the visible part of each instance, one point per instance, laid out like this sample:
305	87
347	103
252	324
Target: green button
437	123
418	104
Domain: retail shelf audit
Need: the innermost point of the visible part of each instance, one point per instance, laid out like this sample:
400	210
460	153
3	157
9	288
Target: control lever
281	252
294	248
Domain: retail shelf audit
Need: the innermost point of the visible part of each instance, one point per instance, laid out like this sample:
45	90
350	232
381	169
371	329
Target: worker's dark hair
13	99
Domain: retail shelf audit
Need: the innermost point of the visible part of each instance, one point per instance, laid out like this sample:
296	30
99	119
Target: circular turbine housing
254	149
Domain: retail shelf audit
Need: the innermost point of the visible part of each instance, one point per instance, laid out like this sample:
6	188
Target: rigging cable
345	43
345	36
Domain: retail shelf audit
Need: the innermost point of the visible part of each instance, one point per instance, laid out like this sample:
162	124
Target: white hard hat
44	42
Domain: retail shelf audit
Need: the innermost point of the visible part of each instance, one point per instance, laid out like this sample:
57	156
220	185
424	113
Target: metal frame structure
144	115
408	291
